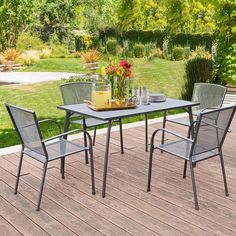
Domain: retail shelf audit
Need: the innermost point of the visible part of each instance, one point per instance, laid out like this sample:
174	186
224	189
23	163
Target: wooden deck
69	208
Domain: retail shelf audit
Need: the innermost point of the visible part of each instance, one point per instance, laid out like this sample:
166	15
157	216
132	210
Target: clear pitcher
101	94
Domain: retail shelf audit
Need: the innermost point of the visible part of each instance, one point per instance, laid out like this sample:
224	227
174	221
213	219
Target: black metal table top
169	104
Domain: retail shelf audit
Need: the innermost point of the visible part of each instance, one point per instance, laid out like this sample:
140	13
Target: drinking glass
144	96
136	93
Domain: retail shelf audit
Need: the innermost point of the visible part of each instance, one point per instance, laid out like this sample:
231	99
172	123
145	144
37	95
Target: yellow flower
103	70
120	71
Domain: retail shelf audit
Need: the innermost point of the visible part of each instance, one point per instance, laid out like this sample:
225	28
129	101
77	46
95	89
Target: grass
158	75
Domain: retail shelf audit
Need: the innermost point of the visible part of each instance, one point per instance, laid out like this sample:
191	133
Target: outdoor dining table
109	116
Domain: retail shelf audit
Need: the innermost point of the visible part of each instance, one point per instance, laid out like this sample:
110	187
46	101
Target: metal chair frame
44	142
193	142
84	122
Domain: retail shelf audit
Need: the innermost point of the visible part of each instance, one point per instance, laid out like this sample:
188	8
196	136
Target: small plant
178	53
139	50
157	52
112	47
200	52
10	54
75	54
165	47
45	53
91	56
26	59
187	52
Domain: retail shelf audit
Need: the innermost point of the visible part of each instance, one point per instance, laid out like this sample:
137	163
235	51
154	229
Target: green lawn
158	75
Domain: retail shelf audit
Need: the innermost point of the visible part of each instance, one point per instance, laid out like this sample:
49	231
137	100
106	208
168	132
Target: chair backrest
208	95
212	127
26	125
76	92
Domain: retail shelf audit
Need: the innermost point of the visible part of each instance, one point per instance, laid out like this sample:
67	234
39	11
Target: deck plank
7	229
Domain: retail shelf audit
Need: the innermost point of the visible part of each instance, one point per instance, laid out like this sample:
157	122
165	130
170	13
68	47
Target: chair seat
182	148
90	122
56	150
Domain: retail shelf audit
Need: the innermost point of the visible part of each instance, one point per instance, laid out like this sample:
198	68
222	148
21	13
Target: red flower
125	64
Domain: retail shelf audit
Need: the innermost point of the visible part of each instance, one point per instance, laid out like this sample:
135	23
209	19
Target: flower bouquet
119	76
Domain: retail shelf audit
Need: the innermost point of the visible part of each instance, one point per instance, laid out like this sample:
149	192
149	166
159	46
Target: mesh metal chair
44	151
77	92
208	95
210	132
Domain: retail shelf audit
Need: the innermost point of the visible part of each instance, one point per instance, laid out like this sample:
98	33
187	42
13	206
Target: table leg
106	159
190	113
67	123
85	140
146	132
66	128
121	137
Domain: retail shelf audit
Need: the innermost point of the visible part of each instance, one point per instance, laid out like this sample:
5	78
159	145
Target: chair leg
163	126
92	172
224	174
63	167
18	173
121	137
185	168
94	134
194	186
42	185
150	168
85	144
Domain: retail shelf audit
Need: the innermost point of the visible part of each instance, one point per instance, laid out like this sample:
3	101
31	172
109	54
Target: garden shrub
139	50
26	59
178	53
112	47
59	50
198	70
27	41
45	53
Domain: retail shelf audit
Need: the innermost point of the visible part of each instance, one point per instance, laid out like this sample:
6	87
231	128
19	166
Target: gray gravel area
31	77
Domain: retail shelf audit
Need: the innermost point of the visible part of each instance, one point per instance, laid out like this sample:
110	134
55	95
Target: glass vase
121	90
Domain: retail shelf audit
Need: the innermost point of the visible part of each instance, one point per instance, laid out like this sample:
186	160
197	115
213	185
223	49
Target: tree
179	19
56	19
226	36
15	17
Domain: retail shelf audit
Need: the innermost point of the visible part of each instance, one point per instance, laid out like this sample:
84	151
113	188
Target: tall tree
178	15
15	17
56	18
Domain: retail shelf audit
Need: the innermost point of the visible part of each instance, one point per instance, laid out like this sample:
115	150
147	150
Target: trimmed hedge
157	37
193	40
198	70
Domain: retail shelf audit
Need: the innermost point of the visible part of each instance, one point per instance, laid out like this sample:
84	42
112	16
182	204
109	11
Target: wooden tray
112	107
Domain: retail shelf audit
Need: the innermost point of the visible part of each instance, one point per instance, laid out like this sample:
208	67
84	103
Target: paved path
32	77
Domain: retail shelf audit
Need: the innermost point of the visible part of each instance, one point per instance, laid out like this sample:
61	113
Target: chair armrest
70	132
172	133
52	121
